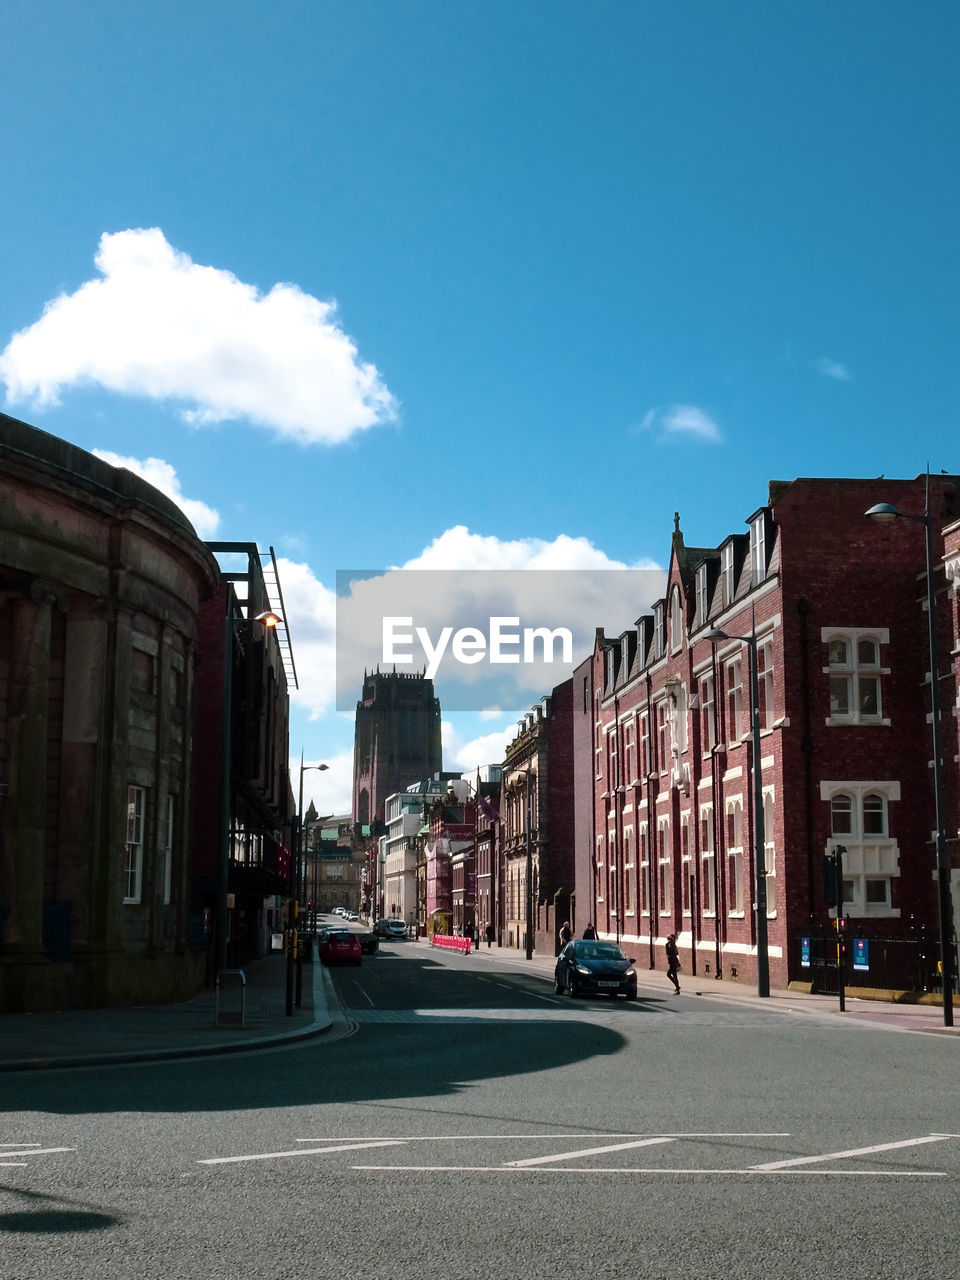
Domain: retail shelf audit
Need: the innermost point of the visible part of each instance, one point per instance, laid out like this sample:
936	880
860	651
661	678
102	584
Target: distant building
396	740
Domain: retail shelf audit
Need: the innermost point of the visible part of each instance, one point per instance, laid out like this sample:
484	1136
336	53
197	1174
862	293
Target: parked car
340	946
590	967
390	928
369	943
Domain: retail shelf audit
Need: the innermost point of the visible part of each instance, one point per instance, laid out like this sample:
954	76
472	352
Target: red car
340	946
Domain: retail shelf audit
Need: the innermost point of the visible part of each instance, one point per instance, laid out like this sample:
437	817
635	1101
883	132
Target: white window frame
659	636
664	866
758	550
708	861
870	856
133	857
734	853
770	850
733	697
676	621
708	713
726	574
701	595
854	673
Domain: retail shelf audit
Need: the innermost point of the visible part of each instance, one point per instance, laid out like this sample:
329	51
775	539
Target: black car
369	942
589	967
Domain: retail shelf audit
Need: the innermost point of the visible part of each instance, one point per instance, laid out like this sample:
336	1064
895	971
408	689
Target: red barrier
457	944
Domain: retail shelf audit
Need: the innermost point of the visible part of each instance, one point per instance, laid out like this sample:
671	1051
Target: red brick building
836	604
536	801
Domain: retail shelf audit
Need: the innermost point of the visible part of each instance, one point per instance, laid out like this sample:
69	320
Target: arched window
874	815
841	815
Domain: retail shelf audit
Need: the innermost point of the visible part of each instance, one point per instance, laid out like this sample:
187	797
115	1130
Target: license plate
608	984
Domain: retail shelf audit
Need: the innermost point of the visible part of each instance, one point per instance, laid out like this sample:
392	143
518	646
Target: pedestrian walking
566	934
590	931
673	962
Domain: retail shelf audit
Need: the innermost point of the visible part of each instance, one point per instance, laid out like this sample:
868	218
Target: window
646	765
758	550
686	865
612	778
726	574
629	758
629	874
659	645
735	858
644	887
769	853
708	715
765	683
733	674
663	754
860	822
854	676
133	863
663	865
708	862
702	603
676	621
141	671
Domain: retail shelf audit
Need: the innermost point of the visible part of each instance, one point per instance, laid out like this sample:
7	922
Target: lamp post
297	888
885	513
763	949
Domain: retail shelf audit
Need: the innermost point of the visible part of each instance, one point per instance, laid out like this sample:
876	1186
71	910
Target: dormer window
726	573
758	548
676	621
659	645
701	601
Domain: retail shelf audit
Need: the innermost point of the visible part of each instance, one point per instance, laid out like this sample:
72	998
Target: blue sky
548	272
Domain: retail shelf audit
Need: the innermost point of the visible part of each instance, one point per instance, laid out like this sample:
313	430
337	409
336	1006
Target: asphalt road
461	1120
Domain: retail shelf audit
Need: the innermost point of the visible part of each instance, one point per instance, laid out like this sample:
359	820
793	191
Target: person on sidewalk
673	962
589	931
566	934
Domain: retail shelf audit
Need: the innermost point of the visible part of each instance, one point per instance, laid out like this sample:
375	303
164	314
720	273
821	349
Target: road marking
546	1137
736	1173
30	1149
588	1151
843	1155
363	993
315	1151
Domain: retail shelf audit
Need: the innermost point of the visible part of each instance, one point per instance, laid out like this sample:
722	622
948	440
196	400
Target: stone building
396	740
102	584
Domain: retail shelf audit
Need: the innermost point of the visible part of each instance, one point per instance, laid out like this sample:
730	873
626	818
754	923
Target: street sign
861	953
804	953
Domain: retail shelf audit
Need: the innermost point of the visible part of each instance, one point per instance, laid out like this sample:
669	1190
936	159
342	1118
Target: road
462	1120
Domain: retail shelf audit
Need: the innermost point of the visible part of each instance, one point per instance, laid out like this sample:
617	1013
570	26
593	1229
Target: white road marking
315	1151
843	1155
363	993
587	1151
545	1137
758	1173
31	1150
13	1164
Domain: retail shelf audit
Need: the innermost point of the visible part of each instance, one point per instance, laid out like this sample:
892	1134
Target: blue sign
804	953
861	953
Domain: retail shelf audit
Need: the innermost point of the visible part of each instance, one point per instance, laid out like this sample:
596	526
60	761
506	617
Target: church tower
396	740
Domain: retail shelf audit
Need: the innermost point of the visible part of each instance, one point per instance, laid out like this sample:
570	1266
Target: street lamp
763	949
886	513
298	874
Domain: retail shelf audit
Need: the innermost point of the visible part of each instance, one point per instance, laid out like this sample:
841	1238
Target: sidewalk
87	1037
885	1013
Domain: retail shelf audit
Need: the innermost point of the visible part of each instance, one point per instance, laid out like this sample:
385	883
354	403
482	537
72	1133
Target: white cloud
833	369
162	476
490	748
682	422
331	790
459	549
156	324
311	610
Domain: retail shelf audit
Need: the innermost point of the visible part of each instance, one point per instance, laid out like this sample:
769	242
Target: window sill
865	722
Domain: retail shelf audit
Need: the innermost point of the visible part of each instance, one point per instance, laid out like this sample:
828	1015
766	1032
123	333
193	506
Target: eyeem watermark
503	642
486	638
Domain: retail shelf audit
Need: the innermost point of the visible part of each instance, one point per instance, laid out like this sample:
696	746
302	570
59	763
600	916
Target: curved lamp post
763	949
886	513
